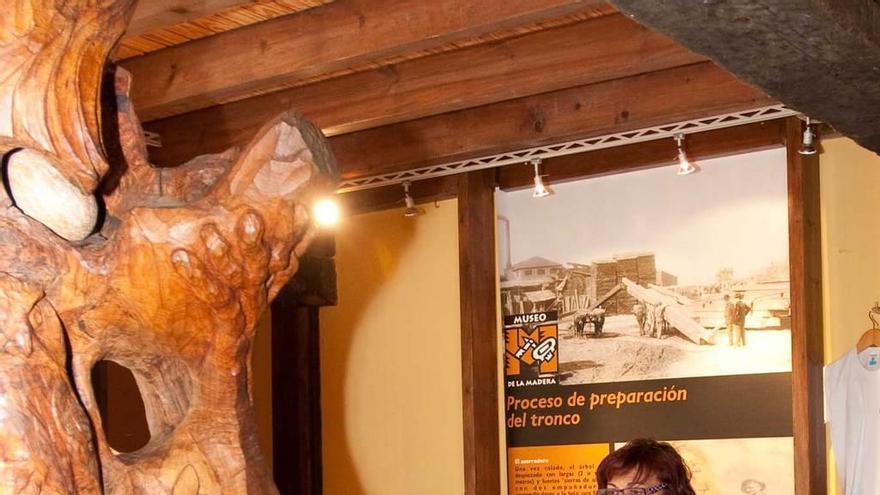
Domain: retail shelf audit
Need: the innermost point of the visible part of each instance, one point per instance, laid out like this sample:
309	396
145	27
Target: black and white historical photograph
656	275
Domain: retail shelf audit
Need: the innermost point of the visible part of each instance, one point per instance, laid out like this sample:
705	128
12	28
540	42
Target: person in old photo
741	310
639	313
729	313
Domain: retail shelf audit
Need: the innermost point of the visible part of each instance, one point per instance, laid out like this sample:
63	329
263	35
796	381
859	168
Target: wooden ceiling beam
821	57
647	100
610	47
286	51
155	14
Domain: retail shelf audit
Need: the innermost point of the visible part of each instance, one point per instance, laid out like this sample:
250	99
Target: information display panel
648	304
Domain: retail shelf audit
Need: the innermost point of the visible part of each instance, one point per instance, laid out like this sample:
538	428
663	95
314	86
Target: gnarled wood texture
170	284
53	56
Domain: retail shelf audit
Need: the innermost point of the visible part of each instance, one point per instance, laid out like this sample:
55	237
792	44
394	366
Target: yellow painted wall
391	357
850	198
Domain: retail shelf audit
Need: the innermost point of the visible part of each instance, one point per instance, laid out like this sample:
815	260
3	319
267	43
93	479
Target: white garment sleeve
828	378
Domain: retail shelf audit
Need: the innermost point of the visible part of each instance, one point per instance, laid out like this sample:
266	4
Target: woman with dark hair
644	467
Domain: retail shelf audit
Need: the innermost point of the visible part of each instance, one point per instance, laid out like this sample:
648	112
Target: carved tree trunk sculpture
171	285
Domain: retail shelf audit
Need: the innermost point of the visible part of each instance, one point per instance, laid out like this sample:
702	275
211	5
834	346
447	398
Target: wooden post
806	315
296	371
296	398
479	339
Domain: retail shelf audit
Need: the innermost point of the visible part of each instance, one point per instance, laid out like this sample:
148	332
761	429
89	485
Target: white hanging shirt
852	406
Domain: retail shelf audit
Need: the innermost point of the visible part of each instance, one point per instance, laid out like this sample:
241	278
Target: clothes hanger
871	337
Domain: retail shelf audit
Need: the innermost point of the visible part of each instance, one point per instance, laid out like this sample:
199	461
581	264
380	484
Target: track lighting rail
665	131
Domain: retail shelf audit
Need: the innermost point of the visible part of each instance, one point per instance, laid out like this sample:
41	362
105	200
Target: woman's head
645	463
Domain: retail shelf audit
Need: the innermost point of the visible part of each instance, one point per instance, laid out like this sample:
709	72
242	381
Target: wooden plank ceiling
398	84
159	24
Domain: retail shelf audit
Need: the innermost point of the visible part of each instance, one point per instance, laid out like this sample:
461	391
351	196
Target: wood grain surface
169	281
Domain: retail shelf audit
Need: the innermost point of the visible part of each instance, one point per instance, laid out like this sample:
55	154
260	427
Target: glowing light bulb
685	167
540	189
326	212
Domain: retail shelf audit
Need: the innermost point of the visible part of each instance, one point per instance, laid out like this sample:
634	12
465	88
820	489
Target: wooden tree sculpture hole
119	400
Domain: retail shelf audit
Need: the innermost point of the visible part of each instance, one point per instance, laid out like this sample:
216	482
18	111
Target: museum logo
531	347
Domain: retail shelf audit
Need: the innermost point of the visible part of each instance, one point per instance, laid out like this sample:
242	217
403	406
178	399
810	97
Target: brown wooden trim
479	338
296	397
806	313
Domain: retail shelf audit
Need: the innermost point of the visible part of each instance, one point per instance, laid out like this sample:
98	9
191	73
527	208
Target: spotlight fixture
540	189
411	209
326	212
685	167
808	147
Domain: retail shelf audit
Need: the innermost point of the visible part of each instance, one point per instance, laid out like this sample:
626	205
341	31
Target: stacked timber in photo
610	273
605	280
